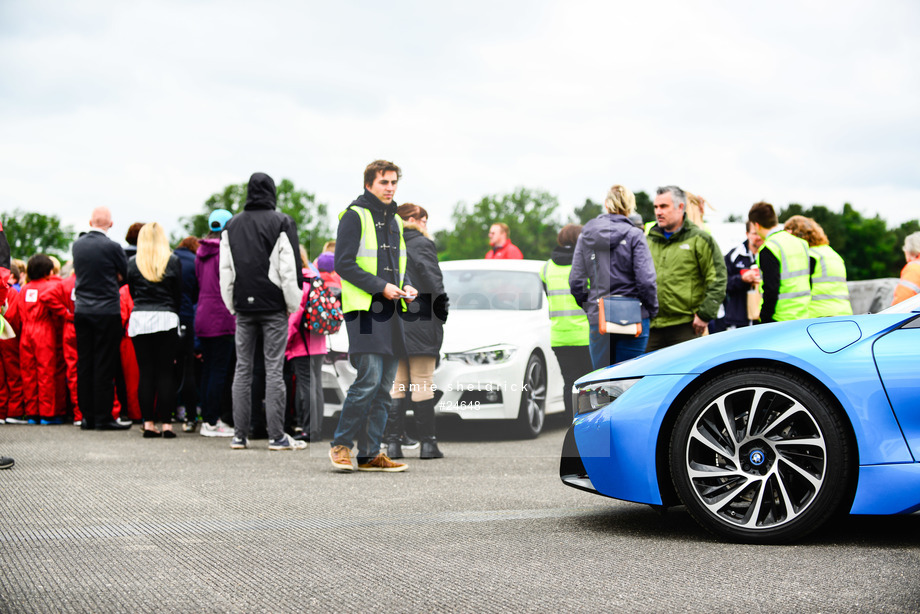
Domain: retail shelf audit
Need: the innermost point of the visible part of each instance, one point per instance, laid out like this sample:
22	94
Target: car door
896	356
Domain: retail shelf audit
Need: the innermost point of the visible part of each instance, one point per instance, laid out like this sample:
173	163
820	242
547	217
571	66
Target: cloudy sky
149	107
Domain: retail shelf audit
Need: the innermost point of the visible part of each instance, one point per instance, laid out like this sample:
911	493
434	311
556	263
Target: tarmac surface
110	522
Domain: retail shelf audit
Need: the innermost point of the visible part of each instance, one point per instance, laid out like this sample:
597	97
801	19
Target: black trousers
185	365
98	338
574	361
156	388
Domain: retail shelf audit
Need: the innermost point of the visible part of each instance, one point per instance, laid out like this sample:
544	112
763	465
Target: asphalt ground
110	522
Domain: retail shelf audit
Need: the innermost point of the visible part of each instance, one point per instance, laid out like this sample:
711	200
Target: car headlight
594	396
492	355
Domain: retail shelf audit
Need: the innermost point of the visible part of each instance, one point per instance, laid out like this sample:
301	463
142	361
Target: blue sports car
763	433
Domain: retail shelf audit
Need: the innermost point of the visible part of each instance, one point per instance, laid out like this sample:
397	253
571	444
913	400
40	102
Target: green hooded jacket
691	275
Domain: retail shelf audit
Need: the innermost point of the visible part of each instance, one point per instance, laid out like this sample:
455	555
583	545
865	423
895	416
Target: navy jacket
189	285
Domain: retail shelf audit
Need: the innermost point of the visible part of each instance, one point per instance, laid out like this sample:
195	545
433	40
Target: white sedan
496	359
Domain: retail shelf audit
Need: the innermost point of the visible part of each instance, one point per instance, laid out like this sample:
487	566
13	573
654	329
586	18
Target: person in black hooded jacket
424	328
261	283
569	329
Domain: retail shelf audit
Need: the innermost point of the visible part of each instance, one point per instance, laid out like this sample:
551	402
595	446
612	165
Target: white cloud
150	107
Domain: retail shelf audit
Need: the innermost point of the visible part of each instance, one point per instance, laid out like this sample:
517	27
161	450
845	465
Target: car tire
760	455
532	412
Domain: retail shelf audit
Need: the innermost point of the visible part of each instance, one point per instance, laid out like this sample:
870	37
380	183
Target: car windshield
908	306
485	289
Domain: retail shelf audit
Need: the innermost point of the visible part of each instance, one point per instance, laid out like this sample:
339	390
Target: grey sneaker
239	443
286	443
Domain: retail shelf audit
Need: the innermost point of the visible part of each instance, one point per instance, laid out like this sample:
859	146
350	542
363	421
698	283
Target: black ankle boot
424	418
394	450
392	434
430	449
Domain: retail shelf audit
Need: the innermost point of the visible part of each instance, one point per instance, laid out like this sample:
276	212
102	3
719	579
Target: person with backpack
305	352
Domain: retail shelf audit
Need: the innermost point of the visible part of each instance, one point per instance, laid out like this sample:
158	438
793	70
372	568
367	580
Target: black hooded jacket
425	316
260	267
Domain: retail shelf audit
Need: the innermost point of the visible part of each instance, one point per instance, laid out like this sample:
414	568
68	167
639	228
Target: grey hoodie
612	257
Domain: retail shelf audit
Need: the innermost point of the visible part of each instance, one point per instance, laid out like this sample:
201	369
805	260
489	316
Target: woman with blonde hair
154	280
829	293
612	257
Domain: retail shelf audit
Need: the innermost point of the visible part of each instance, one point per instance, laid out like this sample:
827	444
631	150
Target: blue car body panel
618	443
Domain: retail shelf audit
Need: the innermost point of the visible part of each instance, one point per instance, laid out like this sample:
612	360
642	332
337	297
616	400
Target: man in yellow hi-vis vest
785	267
370	256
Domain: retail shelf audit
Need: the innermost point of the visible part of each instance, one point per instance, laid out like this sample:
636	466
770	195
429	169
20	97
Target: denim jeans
364	412
274	328
611	349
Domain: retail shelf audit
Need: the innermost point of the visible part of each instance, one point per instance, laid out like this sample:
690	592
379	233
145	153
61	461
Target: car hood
801	343
472	329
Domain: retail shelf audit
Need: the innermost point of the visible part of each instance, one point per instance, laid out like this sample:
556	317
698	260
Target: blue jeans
364	412
611	349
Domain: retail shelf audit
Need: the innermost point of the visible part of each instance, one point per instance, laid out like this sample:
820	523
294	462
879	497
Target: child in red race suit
42	310
12	410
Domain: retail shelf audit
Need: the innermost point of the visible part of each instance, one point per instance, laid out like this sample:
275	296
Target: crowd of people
211	335
684	285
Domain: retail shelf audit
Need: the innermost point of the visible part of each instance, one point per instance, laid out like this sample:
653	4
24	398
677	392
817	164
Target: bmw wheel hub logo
757	458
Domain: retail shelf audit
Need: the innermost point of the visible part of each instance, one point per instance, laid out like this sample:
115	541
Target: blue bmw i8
763	433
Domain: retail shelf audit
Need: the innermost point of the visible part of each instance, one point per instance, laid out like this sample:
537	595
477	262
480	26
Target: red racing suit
11	383
42	311
128	359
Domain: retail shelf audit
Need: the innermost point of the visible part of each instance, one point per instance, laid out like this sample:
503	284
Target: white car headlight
594	396
492	355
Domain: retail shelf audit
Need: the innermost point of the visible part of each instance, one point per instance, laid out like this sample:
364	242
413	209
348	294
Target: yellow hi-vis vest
794	264
353	297
568	322
829	293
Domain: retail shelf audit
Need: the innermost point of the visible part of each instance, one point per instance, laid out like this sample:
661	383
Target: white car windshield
483	289
908	306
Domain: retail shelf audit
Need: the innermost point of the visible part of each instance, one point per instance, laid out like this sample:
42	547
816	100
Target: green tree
310	217
588	212
530	216
34	233
645	207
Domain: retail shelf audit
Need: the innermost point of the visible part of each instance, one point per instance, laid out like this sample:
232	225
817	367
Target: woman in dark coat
154	279
424	333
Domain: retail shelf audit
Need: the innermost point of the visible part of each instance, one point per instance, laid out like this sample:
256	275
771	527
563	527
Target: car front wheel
532	411
760	456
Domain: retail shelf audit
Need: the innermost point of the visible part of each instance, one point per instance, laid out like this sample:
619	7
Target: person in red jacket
126	402
43	312
500	241
69	346
12	410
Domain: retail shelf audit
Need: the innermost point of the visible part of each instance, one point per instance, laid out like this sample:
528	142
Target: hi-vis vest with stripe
568	322
353	297
909	284
794	287
829	293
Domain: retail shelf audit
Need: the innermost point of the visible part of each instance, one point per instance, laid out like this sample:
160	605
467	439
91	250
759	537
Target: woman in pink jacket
307	363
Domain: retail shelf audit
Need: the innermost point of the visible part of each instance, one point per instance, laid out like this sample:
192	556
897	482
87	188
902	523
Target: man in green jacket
690	269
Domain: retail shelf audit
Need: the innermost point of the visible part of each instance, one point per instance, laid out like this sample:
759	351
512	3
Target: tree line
868	246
